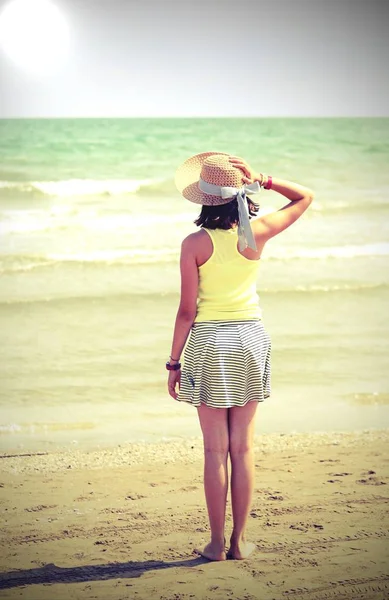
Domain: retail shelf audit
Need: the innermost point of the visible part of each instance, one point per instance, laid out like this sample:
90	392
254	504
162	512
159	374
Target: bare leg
214	425
241	436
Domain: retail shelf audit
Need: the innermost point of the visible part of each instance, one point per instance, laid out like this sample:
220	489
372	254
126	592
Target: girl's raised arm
273	223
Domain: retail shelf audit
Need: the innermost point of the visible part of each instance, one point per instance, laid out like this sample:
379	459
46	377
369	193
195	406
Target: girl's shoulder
195	239
199	244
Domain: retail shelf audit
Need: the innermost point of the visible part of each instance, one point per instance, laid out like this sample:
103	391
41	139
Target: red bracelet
269	182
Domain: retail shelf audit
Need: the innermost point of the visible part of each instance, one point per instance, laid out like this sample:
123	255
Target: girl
227	359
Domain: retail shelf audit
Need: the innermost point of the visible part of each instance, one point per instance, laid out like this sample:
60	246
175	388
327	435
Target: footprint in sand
189	488
369	478
40	507
134	497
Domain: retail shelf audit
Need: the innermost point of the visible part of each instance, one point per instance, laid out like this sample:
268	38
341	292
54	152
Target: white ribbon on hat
245	234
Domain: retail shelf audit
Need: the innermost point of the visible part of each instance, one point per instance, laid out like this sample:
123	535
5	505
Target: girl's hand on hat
239	163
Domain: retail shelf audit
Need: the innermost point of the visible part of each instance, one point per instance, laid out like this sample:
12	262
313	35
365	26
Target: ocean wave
127	296
330	252
74	217
13	263
319	289
159	186
80	187
9	428
124	257
20	263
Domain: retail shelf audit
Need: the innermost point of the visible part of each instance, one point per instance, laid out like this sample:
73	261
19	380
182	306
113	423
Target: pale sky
211	58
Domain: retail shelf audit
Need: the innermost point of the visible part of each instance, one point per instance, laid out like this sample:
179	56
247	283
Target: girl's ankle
218	542
237	539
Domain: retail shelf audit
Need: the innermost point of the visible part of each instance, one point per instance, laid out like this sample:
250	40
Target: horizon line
134	117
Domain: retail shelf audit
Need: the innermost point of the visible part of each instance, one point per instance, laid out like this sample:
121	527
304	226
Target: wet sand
123	522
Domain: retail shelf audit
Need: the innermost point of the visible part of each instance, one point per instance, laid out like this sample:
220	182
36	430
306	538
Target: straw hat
212	167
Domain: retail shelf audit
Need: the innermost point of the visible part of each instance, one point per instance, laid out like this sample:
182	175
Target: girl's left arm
187	308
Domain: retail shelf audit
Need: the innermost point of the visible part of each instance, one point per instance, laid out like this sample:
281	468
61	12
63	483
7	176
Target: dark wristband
174	367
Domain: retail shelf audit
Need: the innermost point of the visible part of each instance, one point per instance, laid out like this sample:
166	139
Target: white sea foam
133	256
10	428
86	187
117	256
285	254
80	187
74	217
89	295
19	263
348	251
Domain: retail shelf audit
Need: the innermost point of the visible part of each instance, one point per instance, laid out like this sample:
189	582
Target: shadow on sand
50	573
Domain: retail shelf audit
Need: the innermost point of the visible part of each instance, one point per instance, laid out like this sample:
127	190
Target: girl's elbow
309	197
186	314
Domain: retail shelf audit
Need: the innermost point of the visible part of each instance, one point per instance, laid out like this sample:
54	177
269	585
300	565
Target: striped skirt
226	363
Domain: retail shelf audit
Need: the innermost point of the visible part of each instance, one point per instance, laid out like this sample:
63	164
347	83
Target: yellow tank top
227	282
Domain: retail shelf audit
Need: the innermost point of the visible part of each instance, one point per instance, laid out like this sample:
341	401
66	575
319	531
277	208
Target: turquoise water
91	227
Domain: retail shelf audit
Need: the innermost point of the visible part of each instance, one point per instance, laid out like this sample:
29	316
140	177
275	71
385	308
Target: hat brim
187	180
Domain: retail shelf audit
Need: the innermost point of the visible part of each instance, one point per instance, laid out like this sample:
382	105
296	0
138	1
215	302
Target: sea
90	232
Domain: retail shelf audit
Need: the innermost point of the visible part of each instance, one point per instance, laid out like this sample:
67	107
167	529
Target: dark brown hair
223	216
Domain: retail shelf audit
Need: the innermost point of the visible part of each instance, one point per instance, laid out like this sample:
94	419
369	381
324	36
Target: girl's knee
215	447
239	446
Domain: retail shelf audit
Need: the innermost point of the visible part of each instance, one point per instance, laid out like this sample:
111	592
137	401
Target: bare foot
240	551
212	552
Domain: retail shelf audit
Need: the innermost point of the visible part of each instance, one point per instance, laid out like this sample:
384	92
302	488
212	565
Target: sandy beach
123	522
